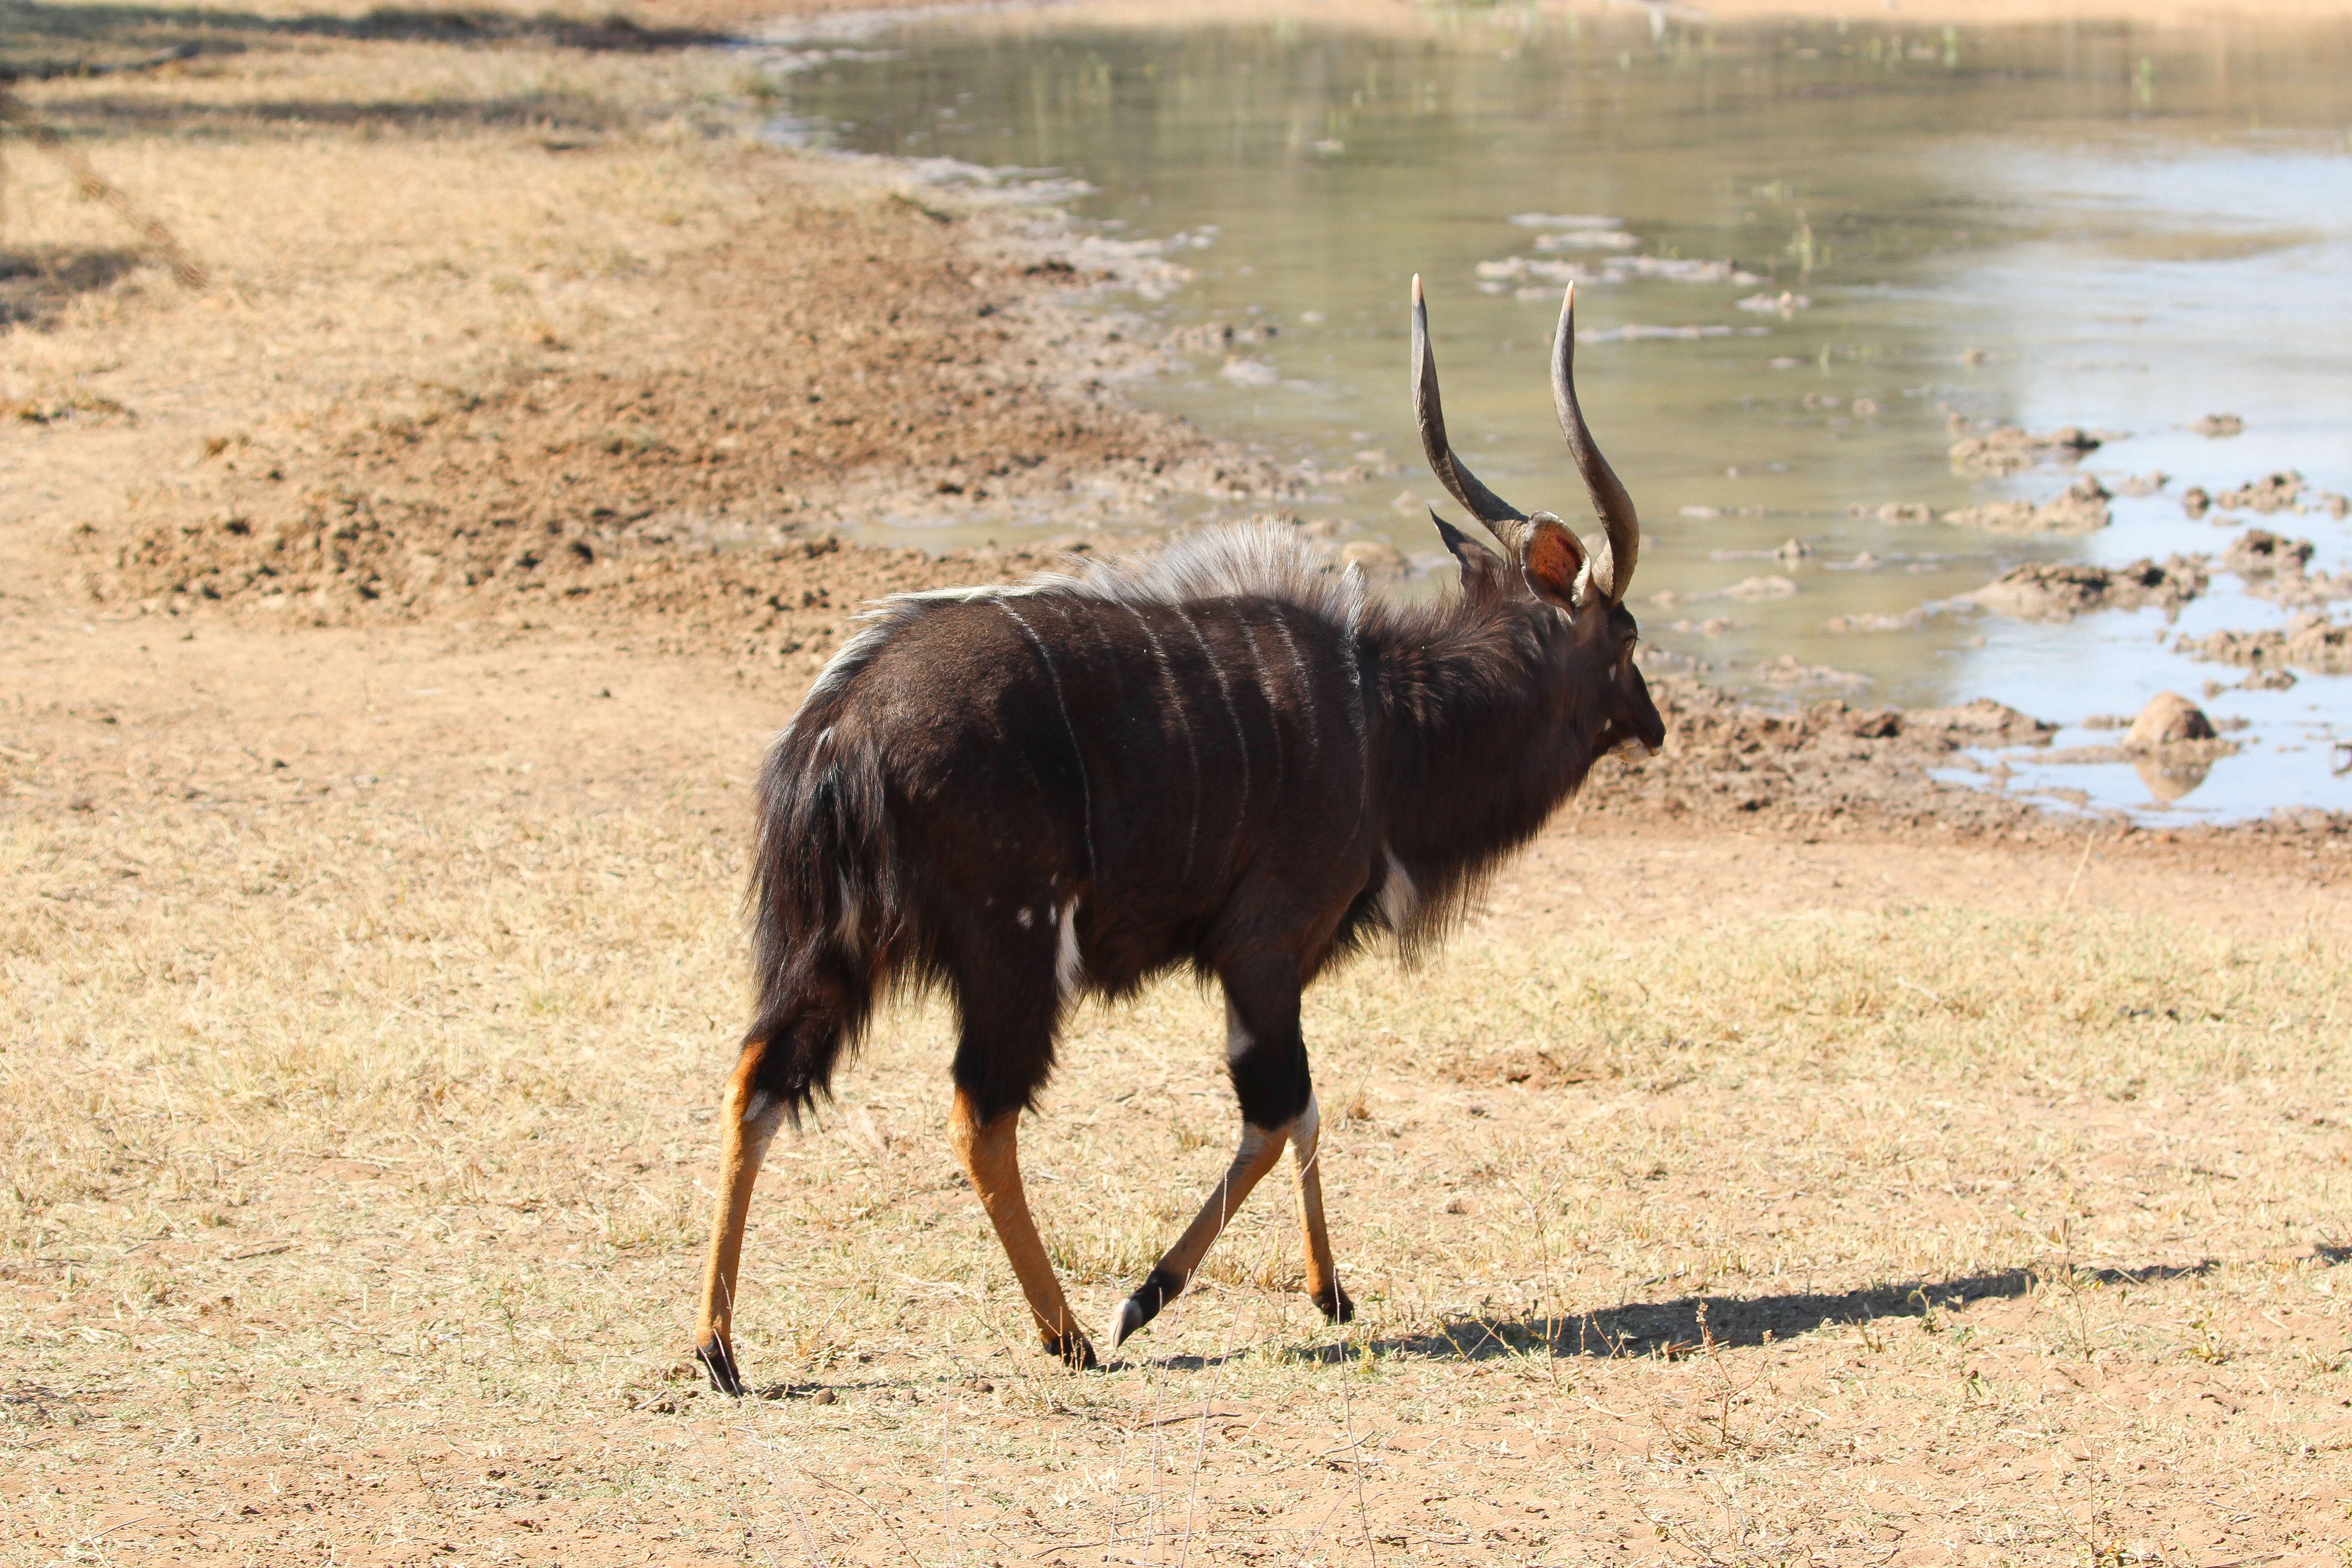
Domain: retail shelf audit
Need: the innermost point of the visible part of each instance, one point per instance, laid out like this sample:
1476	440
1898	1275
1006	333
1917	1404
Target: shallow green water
2115	228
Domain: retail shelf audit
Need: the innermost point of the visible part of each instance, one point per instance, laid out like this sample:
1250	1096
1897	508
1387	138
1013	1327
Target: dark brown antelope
1223	757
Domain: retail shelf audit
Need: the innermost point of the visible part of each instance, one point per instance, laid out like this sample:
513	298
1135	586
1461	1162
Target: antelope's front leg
1268	1063
1322	1273
1260	1151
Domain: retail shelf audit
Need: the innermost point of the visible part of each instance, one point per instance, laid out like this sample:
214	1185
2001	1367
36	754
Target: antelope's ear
1552	558
1482	569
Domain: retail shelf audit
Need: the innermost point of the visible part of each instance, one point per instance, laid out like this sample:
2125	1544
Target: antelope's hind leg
1267	1061
752	1114
1002	1056
989	1147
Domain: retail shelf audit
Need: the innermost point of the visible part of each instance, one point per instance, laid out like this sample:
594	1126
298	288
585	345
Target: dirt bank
644	399
1403	15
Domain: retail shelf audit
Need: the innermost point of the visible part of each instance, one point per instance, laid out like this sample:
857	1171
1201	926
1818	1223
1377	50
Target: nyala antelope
1225	757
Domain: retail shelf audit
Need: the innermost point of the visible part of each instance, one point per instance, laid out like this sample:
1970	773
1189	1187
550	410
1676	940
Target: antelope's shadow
1676	1327
38	42
99	115
37	282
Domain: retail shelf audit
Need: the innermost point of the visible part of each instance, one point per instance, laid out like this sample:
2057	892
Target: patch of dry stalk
381	1127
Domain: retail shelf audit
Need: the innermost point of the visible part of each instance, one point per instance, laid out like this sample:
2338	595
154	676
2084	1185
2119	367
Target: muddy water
1815	258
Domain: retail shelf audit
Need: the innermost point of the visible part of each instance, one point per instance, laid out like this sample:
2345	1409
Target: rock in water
2167	720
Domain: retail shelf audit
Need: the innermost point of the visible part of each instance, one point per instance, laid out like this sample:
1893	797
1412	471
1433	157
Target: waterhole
1813	259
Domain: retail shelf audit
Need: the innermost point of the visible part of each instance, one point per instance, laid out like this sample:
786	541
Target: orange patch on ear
1553	559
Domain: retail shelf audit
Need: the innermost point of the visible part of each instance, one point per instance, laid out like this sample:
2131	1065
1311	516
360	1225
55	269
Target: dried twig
2089	840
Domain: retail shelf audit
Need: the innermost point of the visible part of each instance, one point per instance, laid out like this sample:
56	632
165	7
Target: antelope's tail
825	905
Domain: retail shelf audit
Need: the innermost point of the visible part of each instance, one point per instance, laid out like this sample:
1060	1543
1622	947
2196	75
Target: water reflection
1816	256
2168	781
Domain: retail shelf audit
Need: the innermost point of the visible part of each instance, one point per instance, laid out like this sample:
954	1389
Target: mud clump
2196	502
1996	517
1978	723
2010	450
1790	671
2272	493
2217	426
2311	643
2081	508
1824	766
2276	568
2059	592
1219	337
2259	552
2286	490
1880	621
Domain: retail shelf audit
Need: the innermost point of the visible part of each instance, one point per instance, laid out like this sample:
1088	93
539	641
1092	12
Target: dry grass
350	267
357	1153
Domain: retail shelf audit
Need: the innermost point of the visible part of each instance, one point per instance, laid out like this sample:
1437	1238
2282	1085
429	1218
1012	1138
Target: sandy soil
371	987
1798	1161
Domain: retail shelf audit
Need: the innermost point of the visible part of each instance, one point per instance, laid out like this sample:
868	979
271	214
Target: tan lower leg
990	1154
1260	1151
751	1119
1322	1276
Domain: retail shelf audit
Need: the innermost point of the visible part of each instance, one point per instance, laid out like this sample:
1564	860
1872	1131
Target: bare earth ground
1797	1163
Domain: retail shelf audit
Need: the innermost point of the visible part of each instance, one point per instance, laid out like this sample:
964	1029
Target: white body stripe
1069	968
1078	747
1265	686
1225	691
1397	893
849	926
1356	720
1184	722
1306	679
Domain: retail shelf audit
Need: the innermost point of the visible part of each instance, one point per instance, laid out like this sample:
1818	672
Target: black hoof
718	1359
1073	1349
1337	1308
1159	1289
